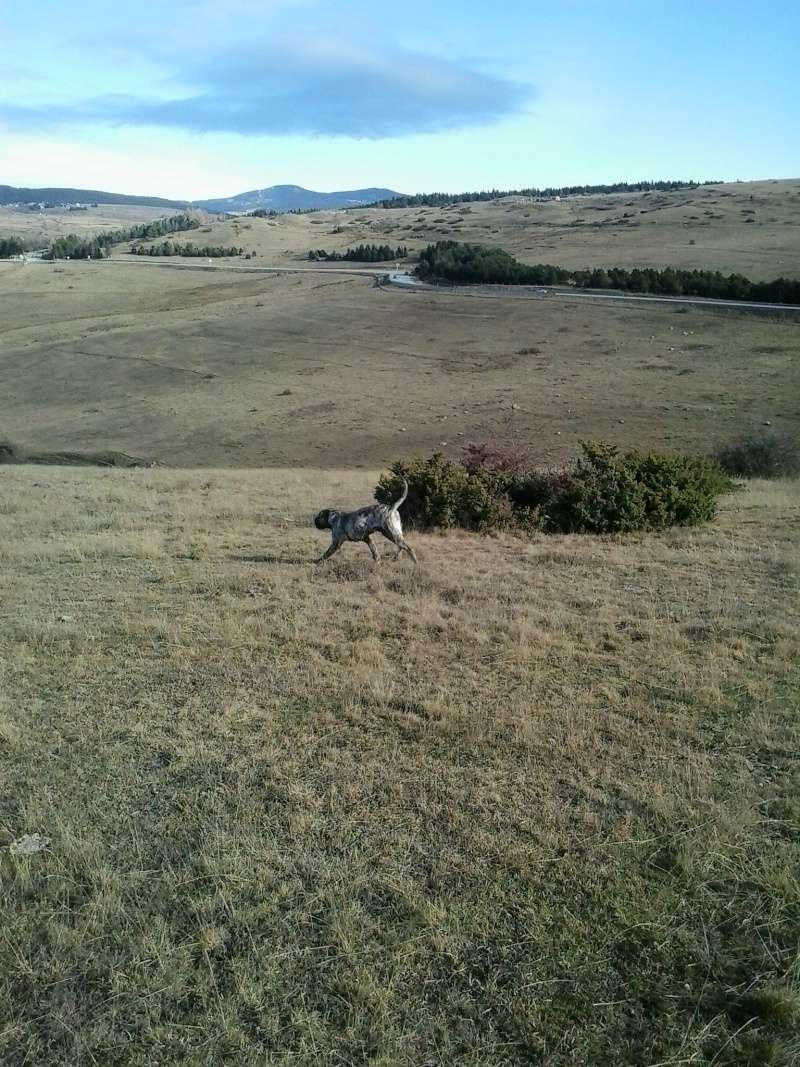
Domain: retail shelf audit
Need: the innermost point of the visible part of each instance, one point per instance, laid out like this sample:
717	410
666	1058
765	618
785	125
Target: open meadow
208	367
530	802
535	801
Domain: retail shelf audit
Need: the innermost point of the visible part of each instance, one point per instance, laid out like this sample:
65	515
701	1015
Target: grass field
531	802
210	368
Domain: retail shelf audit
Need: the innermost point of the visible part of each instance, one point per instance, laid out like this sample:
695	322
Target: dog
362	524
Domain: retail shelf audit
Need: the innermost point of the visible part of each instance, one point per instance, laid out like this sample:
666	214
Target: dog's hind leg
406	547
400	543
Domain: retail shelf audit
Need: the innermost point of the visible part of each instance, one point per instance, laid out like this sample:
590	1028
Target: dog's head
322	520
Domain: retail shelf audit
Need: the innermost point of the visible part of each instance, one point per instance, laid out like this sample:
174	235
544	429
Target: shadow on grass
266	557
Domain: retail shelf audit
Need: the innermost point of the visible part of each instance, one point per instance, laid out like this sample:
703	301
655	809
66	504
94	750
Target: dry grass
192	368
40	228
752	228
530	802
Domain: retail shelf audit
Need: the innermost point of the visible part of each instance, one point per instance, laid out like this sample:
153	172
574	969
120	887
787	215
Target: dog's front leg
334	546
372	547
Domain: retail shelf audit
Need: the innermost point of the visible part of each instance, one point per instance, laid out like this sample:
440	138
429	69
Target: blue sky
199	98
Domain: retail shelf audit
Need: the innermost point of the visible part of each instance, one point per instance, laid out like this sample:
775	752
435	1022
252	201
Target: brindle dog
362	524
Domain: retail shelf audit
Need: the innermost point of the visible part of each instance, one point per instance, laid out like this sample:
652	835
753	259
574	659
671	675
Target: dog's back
375	518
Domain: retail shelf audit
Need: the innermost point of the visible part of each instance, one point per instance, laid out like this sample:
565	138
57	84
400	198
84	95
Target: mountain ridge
294	197
280	198
18	194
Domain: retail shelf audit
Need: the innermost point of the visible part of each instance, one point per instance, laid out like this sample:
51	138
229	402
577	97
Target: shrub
606	492
495	456
764	454
443	494
677	490
603	492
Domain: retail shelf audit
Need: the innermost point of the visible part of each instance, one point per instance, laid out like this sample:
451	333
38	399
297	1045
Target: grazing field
40	228
531	802
216	368
750	228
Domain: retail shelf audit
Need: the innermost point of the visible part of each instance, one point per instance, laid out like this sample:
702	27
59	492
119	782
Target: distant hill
294	197
10	194
548	193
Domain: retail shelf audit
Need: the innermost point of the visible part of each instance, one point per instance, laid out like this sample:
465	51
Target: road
402	280
407	281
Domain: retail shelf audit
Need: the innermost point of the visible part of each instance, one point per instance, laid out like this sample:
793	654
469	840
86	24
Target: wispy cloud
290	87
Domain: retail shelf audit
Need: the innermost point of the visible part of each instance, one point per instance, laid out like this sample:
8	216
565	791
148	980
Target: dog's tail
397	503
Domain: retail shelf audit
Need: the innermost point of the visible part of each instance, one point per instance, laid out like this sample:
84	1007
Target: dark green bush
443	494
764	454
603	492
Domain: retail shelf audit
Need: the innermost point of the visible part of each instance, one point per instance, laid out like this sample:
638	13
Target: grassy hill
528	803
752	228
40	228
532	802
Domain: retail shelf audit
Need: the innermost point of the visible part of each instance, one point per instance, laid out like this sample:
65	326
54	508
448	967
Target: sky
190	99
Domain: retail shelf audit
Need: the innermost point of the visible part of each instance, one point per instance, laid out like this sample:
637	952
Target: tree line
361	254
457	262
145	231
74	247
705	283
11	246
168	248
442	199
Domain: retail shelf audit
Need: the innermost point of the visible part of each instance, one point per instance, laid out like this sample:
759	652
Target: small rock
402	429
65	618
286	392
28	845
767	422
621	422
443	443
558	433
